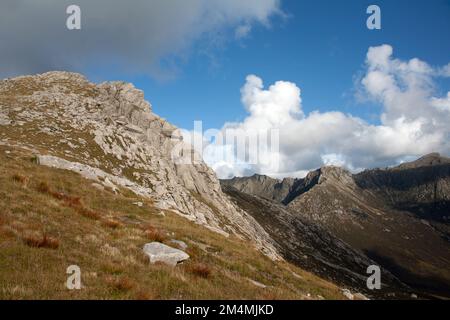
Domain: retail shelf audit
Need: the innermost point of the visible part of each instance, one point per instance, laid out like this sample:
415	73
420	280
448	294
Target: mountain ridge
397	216
108	131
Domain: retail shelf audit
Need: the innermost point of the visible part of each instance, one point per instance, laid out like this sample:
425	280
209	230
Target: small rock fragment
181	244
347	294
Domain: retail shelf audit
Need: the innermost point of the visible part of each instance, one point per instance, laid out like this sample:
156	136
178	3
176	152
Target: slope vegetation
52	218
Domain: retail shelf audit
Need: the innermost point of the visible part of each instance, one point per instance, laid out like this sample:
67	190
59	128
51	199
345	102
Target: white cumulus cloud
413	122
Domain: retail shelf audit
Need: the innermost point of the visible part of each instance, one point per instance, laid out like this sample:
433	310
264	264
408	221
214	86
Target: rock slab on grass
159	252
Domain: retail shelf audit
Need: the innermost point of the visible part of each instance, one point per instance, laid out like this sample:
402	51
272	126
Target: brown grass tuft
154	234
270	295
73	201
111	223
6	233
17	177
122	284
41	242
43	187
200	270
144	295
88	213
70	201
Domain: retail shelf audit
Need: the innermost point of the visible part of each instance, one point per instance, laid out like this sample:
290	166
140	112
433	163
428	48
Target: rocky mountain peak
108	133
431	159
399	217
334	174
261	185
263	178
52	77
126	94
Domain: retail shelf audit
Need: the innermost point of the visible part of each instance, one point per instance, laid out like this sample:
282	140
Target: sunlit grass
51	219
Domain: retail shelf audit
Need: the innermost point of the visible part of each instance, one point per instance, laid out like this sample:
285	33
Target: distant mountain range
397	217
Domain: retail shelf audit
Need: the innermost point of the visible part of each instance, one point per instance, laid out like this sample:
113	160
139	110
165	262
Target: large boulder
159	252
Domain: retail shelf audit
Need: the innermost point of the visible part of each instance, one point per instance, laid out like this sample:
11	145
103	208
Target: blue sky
338	93
319	45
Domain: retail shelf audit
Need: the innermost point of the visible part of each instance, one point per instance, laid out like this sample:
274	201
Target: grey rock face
432	159
108	133
397	217
4	120
421	187
262	186
159	252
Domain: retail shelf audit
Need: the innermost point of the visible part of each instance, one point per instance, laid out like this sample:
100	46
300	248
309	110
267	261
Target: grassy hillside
50	219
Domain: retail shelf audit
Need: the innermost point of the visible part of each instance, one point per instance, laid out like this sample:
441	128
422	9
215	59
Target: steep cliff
108	133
